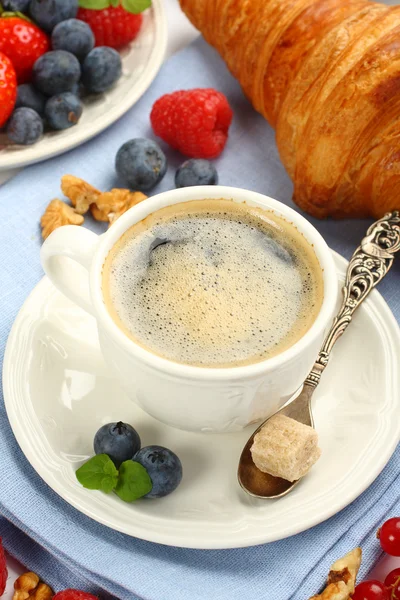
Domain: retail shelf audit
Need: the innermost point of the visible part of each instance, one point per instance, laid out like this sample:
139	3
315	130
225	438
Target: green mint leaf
98	473
136	6
133	482
114	2
94	4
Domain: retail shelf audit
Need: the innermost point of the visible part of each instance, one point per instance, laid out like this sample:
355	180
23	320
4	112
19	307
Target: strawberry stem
133	6
94	4
136	6
4	14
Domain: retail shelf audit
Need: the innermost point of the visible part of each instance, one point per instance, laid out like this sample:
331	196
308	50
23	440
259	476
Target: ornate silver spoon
368	266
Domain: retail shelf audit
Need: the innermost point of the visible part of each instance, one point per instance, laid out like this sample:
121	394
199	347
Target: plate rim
34	155
213	542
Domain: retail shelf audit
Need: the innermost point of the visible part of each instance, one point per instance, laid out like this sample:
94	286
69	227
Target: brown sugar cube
285	448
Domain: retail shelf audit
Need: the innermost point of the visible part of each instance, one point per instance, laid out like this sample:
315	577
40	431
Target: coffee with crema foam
213	283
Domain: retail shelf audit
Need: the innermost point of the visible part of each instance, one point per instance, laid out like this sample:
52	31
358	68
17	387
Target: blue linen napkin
66	547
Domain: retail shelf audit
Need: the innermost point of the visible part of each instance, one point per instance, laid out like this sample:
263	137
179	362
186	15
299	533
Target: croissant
326	75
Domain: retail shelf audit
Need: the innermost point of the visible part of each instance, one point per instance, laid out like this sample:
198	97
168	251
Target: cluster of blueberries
61	76
121	442
142	164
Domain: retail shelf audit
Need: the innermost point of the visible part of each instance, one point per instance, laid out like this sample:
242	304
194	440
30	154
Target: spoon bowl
263	485
259	484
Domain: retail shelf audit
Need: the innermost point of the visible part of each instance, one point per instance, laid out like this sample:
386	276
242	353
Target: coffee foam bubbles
213	283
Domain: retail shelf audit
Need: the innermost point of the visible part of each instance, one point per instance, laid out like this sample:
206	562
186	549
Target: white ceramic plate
141	62
55	376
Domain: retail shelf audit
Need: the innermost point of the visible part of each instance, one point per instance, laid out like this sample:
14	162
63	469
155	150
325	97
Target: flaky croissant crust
326	75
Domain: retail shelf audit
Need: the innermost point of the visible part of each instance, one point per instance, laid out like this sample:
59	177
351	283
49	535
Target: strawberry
115	25
23	43
3	562
8	88
74	595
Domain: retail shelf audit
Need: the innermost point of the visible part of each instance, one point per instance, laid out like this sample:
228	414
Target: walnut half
42	592
28	586
81	193
342	577
109	206
57	214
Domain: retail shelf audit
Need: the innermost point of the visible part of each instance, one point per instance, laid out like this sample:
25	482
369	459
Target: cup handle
66	258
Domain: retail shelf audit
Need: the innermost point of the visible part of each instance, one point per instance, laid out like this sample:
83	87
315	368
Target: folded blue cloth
66	547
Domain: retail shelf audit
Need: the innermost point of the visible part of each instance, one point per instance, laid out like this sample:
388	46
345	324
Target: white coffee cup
188	397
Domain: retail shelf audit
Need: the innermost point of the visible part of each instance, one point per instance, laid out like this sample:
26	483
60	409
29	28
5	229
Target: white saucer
141	62
55	376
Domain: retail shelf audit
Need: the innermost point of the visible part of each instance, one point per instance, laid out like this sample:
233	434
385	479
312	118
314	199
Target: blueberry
101	69
48	13
141	163
119	440
73	36
196	171
24	127
29	97
63	111
163	467
16	5
56	72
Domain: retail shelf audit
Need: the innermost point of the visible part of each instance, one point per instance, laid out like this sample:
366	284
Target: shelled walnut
104	206
58	213
342	577
81	193
29	586
109	206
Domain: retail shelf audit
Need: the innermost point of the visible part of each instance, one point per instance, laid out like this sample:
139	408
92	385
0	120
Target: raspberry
195	122
74	595
3	570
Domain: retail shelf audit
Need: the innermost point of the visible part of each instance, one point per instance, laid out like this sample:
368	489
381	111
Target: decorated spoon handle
368	266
